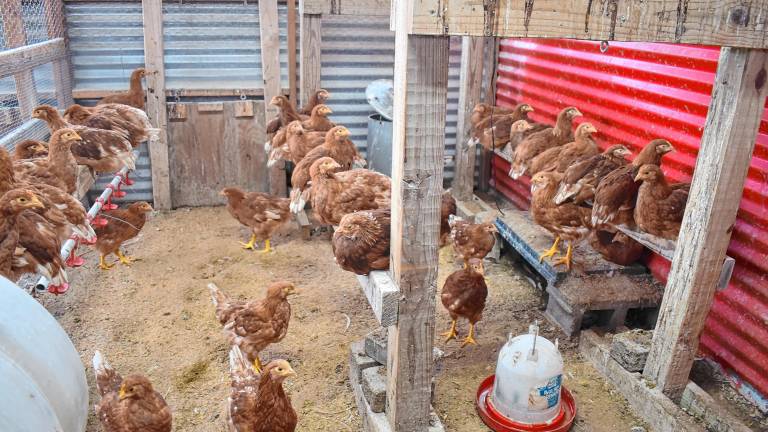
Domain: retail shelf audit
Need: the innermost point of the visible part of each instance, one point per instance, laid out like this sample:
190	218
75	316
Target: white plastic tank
529	376
43	380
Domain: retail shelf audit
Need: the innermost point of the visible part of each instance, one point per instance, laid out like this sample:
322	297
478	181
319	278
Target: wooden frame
15	37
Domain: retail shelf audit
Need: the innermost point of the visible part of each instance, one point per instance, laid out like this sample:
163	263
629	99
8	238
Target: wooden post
738	99
270	71
15	36
489	78
420	86
62	68
153	62
470	85
311	38
292	50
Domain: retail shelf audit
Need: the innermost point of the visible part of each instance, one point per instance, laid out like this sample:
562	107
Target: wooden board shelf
382	295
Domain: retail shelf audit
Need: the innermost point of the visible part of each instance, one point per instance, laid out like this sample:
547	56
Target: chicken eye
22	200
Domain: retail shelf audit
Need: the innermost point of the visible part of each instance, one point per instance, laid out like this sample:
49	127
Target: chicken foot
551	251
251	243
103	263
125	259
267	247
567	259
470	339
451	333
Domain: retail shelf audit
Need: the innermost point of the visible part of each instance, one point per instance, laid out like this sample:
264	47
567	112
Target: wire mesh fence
24	23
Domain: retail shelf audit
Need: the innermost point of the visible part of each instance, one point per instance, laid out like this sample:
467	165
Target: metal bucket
44	386
380	144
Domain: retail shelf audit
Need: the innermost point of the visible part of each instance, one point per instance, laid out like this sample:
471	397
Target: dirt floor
156	318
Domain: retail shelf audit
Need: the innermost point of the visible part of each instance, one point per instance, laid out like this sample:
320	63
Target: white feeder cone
529	376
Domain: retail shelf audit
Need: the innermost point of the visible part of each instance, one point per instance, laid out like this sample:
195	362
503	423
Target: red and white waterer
526	393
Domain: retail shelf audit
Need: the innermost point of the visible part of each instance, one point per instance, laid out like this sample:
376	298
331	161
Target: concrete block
630	349
358	361
376	345
374	382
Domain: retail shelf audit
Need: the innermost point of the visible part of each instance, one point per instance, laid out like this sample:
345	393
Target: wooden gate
215	145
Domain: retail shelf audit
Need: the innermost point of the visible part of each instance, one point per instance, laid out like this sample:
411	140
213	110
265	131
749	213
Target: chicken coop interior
383	216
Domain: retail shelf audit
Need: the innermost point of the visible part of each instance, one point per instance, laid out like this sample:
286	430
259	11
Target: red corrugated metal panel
632	93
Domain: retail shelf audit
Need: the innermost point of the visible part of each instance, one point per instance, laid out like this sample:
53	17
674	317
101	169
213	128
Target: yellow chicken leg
567	259
250	244
451	333
267	247
124	259
257	364
551	251
103	263
470	339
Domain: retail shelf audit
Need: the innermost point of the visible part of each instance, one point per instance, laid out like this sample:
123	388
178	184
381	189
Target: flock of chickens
579	191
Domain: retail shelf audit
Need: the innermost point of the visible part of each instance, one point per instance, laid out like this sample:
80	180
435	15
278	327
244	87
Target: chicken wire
24	23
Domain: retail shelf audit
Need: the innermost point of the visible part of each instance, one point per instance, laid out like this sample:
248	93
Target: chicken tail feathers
107	379
453	220
220	302
275	156
239	367
85	232
565	191
517	171
298	200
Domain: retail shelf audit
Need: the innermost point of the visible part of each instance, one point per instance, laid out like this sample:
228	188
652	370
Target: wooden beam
420	87
311	39
738	100
156	110
470	89
15	36
489	83
173	93
16	60
356	7
270	71
292	50
382	295
62	68
708	22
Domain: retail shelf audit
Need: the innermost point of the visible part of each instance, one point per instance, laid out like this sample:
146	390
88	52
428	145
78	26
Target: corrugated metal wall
632	93
355	52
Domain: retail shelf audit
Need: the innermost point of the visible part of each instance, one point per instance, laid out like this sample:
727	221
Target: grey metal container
380	144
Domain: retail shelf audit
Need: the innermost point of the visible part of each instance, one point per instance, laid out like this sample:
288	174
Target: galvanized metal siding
635	92
355	52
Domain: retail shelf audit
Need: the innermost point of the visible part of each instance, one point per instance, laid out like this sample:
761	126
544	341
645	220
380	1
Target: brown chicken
483	111
318	120
559	158
135	94
285	115
337	146
566	221
542	140
616	193
660	206
320	96
122	225
128	404
472	240
12	205
297	142
336	193
464	294
447	209
58	169
616	247
517	133
256	324
101	150
257	401
496	129
30	149
125	119
361	242
262	213
581	178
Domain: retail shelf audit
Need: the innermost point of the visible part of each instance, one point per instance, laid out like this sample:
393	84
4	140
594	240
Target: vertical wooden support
270	70
738	99
420	85
153	62
470	89
292	50
311	38
62	69
489	78
15	36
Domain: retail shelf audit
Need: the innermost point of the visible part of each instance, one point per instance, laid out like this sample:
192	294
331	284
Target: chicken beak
290	372
36	114
76	137
668	148
122	394
529	109
36	203
274	101
577	113
637	177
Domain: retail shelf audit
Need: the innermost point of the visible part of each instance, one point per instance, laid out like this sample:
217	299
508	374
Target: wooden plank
244	109
489	82
708	22
15	36
738	99
174	93
62	68
309	68
153	62
382	295
270	64
356	7
420	87
207	107
292	50
470	87
17	60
